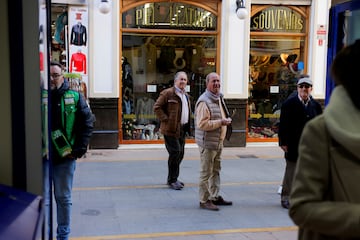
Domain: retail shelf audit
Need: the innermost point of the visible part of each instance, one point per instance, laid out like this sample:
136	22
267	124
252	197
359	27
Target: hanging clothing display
165	62
60	23
145	110
78	35
78	62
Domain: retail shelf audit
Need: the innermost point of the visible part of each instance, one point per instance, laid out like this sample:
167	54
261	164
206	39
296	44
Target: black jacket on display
78	35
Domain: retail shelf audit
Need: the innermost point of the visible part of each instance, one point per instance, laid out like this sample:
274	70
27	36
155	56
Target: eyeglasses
304	86
55	75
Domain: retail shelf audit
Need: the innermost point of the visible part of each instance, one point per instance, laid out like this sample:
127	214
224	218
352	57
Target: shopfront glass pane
149	63
275	66
351	29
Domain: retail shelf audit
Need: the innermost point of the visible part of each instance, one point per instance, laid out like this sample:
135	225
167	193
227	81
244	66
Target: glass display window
158	40
343	30
275	66
149	64
276	61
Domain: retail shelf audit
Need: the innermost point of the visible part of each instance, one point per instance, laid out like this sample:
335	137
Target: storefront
159	39
278	57
138	46
70	41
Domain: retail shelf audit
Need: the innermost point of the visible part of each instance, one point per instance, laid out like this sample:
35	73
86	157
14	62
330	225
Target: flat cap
304	80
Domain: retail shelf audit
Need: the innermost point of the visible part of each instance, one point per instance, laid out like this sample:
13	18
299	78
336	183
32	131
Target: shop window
158	40
277	55
69	46
149	64
275	66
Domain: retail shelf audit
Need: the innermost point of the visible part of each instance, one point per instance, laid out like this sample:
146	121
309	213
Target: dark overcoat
293	117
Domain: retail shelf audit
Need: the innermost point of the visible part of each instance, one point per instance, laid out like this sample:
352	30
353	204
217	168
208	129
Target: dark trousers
287	180
175	147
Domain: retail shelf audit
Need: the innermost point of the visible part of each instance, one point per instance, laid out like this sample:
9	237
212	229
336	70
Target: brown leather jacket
168	110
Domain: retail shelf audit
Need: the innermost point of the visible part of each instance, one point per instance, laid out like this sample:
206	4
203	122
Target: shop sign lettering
277	19
176	15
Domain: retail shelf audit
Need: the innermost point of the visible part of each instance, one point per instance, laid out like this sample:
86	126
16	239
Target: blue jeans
62	179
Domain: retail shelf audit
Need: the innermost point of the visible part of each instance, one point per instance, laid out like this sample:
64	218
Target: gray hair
178	73
209	75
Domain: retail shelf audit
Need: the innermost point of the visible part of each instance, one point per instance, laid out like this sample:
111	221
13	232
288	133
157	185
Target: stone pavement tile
190	237
275	235
261	236
123	193
230	236
286	235
191	153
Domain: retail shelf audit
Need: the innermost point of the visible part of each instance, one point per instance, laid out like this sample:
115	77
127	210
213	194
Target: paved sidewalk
121	194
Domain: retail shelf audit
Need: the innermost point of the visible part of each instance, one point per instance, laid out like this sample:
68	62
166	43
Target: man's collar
179	90
308	98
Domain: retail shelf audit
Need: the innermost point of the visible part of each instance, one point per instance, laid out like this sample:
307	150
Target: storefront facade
159	39
70	41
278	48
136	48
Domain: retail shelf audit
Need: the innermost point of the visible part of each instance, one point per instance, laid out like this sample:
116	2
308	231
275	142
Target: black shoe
209	205
220	201
180	183
175	186
285	204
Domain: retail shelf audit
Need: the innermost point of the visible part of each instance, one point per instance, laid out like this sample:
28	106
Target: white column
317	55
104	50
234	65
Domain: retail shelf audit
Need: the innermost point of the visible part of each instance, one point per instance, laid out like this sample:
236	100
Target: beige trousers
210	166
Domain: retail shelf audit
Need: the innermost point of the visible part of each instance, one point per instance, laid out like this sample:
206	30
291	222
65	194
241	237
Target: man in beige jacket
211	122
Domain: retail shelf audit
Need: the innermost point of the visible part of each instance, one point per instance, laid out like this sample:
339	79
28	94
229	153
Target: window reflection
276	64
149	64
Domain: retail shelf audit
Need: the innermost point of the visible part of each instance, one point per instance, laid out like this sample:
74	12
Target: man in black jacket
296	111
71	128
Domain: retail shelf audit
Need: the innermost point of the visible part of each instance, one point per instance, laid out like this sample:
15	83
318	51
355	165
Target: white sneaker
279	190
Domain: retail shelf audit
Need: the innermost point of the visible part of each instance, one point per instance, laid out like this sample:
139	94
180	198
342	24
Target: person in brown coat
173	110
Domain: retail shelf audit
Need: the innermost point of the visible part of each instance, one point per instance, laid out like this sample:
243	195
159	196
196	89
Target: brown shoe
220	201
209	206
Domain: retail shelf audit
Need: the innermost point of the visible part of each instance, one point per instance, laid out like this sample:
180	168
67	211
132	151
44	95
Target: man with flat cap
296	111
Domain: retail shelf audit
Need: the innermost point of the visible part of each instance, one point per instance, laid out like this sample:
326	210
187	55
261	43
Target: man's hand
226	121
284	148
